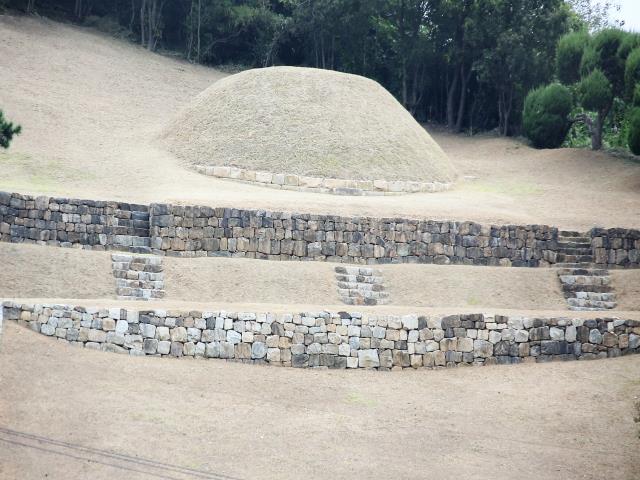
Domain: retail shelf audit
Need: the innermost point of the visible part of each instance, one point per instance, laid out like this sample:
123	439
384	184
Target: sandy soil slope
91	105
33	271
41	272
165	418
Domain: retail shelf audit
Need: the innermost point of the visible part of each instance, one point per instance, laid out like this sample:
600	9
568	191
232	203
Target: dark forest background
467	64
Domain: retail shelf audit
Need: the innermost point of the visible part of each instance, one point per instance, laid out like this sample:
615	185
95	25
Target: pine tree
7	131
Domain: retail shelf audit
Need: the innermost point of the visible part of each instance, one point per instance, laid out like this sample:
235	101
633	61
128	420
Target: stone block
258	350
368	358
164	347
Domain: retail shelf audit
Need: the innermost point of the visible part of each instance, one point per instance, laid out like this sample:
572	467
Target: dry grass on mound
307	122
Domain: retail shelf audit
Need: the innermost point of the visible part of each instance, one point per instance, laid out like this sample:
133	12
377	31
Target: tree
546	115
633	138
606	45
596	95
632	73
7	131
524	36
597	13
569	55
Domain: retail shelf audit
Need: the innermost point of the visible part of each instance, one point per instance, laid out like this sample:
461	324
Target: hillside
91	107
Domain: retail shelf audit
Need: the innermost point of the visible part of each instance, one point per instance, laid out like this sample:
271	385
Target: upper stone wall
616	247
192	231
67	222
204	231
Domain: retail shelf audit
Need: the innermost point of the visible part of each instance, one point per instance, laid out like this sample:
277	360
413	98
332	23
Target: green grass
19	171
356	398
472	301
513	189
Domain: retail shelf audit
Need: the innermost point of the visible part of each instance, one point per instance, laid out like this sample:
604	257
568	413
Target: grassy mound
308	122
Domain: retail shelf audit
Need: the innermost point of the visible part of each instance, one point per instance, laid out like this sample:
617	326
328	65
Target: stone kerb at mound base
335	186
333	339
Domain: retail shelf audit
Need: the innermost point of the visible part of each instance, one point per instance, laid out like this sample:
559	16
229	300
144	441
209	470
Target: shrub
569	56
632	73
630	41
606	44
633	138
546	115
589	61
7	131
595	92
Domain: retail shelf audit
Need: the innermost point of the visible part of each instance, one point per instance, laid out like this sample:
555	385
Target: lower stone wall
333	339
616	247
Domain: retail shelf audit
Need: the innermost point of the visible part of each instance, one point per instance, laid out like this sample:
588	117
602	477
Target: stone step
570	290
567	258
363	301
359	279
574	244
583	271
363	271
585	279
596	304
360	285
570	234
362	293
585	309
142	250
574	265
598	296
574	250
373	287
138	277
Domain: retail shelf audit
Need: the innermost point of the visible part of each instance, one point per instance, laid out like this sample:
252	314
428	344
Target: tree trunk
151	34
133	15
596	131
31	5
505	105
464	80
198	35
403	73
451	99
143	22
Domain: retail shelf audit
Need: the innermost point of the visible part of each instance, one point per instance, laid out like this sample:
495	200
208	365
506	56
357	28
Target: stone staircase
138	277
132	230
360	286
585	286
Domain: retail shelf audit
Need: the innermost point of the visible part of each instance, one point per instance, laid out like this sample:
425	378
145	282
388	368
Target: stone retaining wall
616	247
199	231
336	186
334	340
71	222
193	231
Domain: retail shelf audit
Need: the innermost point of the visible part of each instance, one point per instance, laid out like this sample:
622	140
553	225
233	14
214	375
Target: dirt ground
626	284
33	271
41	272
175	419
90	107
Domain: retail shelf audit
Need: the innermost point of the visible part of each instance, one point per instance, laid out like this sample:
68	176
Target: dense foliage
603	71
464	63
545	118
7	131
